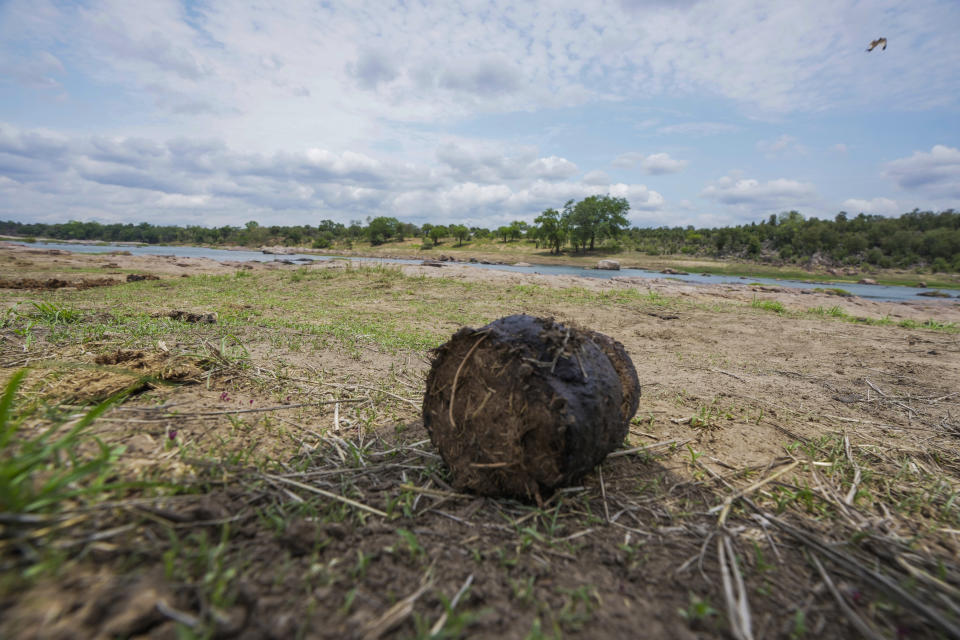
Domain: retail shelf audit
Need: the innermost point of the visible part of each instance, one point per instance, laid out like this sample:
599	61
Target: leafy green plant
768	305
43	473
799	625
413	545
27	333
53	314
194	560
578	607
698	611
10	316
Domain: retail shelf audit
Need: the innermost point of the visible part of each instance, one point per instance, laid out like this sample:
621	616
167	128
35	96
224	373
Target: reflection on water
873	292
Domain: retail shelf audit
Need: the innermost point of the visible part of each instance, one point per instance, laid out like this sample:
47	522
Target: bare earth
844	431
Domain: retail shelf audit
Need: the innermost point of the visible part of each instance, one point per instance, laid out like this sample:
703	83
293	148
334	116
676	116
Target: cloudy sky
698	112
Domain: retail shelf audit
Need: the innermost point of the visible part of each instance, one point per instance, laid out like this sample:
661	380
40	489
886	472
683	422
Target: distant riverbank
511	253
878	292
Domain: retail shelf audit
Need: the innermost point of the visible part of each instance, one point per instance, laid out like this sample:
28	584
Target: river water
873	292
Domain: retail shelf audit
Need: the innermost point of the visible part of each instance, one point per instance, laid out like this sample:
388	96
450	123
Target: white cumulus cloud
877	206
935	173
206	182
661	163
755	195
596	177
653	164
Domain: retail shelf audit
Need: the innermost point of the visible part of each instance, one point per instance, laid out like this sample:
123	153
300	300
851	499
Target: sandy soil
731	395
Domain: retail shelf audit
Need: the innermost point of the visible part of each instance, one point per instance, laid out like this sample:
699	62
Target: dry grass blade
735	592
865	629
442	620
327	494
603	492
396	614
456	377
727	373
176	615
852	494
262	409
724	508
648	447
877	579
436	492
920	574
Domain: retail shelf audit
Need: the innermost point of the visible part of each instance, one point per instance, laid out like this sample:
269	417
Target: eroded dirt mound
202	317
123	370
54	283
526	405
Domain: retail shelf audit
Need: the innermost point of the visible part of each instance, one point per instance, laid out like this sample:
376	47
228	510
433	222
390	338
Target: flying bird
876	43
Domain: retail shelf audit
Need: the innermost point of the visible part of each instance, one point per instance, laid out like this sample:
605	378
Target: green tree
438	233
518	228
595	217
550	230
382	229
323	241
459	232
503	232
613	217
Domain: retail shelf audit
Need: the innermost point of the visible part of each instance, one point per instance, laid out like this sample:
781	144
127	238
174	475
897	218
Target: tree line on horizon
596	223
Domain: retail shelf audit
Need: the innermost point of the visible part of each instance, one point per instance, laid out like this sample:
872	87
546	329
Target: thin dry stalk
456	377
855	620
852	494
176	615
260	410
727	373
851	563
735	592
929	579
326	494
724	508
649	447
436	493
603	493
874	387
442	620
396	614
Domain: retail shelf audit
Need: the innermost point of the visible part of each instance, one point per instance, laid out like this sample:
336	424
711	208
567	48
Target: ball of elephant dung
525	405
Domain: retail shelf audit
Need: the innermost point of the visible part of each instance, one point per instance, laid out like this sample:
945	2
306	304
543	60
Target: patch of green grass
49	471
838	313
43	473
413	546
578	607
698	612
928	324
768	305
54	314
833	312
834	291
207	567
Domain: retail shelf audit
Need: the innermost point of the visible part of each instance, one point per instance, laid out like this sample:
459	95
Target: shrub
323	241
